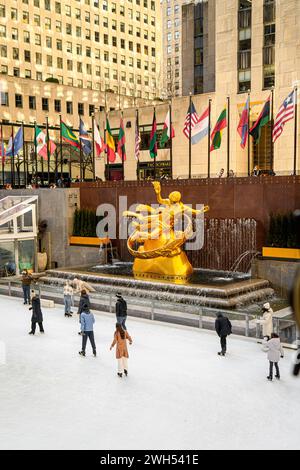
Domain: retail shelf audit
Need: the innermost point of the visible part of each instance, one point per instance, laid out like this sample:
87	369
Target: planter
281	253
88	241
42	259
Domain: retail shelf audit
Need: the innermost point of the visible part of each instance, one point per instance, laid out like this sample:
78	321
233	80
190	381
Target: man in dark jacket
223	329
37	316
121	311
84	302
26	282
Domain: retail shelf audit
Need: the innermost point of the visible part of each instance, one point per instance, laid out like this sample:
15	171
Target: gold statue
159	254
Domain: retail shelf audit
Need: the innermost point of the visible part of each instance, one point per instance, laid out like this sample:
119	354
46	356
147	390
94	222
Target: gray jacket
275	350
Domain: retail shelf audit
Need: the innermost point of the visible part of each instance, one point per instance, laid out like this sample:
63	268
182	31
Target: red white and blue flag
195	125
85	138
2	146
243	127
285	114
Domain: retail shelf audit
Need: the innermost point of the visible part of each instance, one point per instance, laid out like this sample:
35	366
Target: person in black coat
223	329
84	302
121	311
37	315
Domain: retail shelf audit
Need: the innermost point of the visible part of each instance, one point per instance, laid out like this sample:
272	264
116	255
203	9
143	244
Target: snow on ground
179	394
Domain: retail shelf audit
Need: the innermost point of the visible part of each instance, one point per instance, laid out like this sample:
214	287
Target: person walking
26	283
120	341
68	293
267	321
37	315
121	311
84	304
87	321
223	328
275	352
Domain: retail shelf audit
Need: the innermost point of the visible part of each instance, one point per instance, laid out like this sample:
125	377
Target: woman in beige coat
120	341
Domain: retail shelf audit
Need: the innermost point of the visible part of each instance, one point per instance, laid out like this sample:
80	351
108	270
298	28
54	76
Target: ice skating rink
179	394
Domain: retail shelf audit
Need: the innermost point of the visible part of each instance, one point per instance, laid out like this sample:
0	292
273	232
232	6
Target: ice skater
37	315
80	285
121	311
68	294
267	323
84	302
26	283
223	328
275	352
87	321
120	341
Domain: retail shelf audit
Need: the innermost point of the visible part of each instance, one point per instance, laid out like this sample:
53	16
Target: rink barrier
244	323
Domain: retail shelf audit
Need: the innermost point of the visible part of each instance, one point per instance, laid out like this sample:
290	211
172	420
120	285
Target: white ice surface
179	394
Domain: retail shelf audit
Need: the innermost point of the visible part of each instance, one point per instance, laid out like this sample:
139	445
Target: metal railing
243	323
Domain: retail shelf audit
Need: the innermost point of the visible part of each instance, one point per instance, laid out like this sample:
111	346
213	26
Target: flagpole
248	150
171	140
24	156
61	149
138	130
155	152
48	149
107	156
123	166
3	157
93	147
228	136
35	154
13	159
209	143
272	126
190	137
80	155
296	130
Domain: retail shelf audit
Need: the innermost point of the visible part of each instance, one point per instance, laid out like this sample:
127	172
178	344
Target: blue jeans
26	294
121	321
68	303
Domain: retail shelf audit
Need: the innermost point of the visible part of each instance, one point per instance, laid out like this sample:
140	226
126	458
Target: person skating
37	315
267	321
26	283
223	328
84	302
120	341
68	293
87	321
121	311
275	352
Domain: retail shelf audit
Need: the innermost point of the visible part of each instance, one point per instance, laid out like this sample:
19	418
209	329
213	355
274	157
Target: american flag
193	117
137	140
285	114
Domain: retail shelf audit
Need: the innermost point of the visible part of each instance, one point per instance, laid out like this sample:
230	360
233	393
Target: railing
243	323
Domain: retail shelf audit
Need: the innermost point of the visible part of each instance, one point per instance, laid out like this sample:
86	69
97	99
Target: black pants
223	340
90	335
271	369
33	326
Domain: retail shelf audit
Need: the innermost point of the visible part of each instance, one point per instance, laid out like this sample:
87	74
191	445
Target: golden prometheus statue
155	243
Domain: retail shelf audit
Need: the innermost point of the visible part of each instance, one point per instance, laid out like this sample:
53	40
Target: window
57	106
4	98
18	101
69	107
244	45
45	104
80	109
269	43
32	102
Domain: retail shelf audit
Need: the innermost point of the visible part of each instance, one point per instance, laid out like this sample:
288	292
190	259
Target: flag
285	114
110	144
121	142
16	144
262	120
153	139
168	131
137	140
84	138
200	130
243	127
191	120
41	143
216	136
68	136
99	143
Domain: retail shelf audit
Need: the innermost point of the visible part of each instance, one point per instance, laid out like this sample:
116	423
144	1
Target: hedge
85	223
283	231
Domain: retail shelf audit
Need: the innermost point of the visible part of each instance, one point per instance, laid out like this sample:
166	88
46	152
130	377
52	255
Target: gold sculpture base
176	269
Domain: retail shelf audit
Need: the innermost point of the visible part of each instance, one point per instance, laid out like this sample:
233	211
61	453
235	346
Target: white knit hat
267	306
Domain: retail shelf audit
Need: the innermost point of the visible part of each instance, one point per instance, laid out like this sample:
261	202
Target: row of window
45	104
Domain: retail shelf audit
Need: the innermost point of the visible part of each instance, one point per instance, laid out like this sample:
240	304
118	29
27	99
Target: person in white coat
267	321
275	352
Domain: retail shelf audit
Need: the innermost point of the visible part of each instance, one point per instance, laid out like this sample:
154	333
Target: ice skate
277	377
120	375
95	353
126	372
270	378
81	353
31	333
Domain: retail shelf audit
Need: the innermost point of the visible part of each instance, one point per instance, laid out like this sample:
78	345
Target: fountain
161	270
